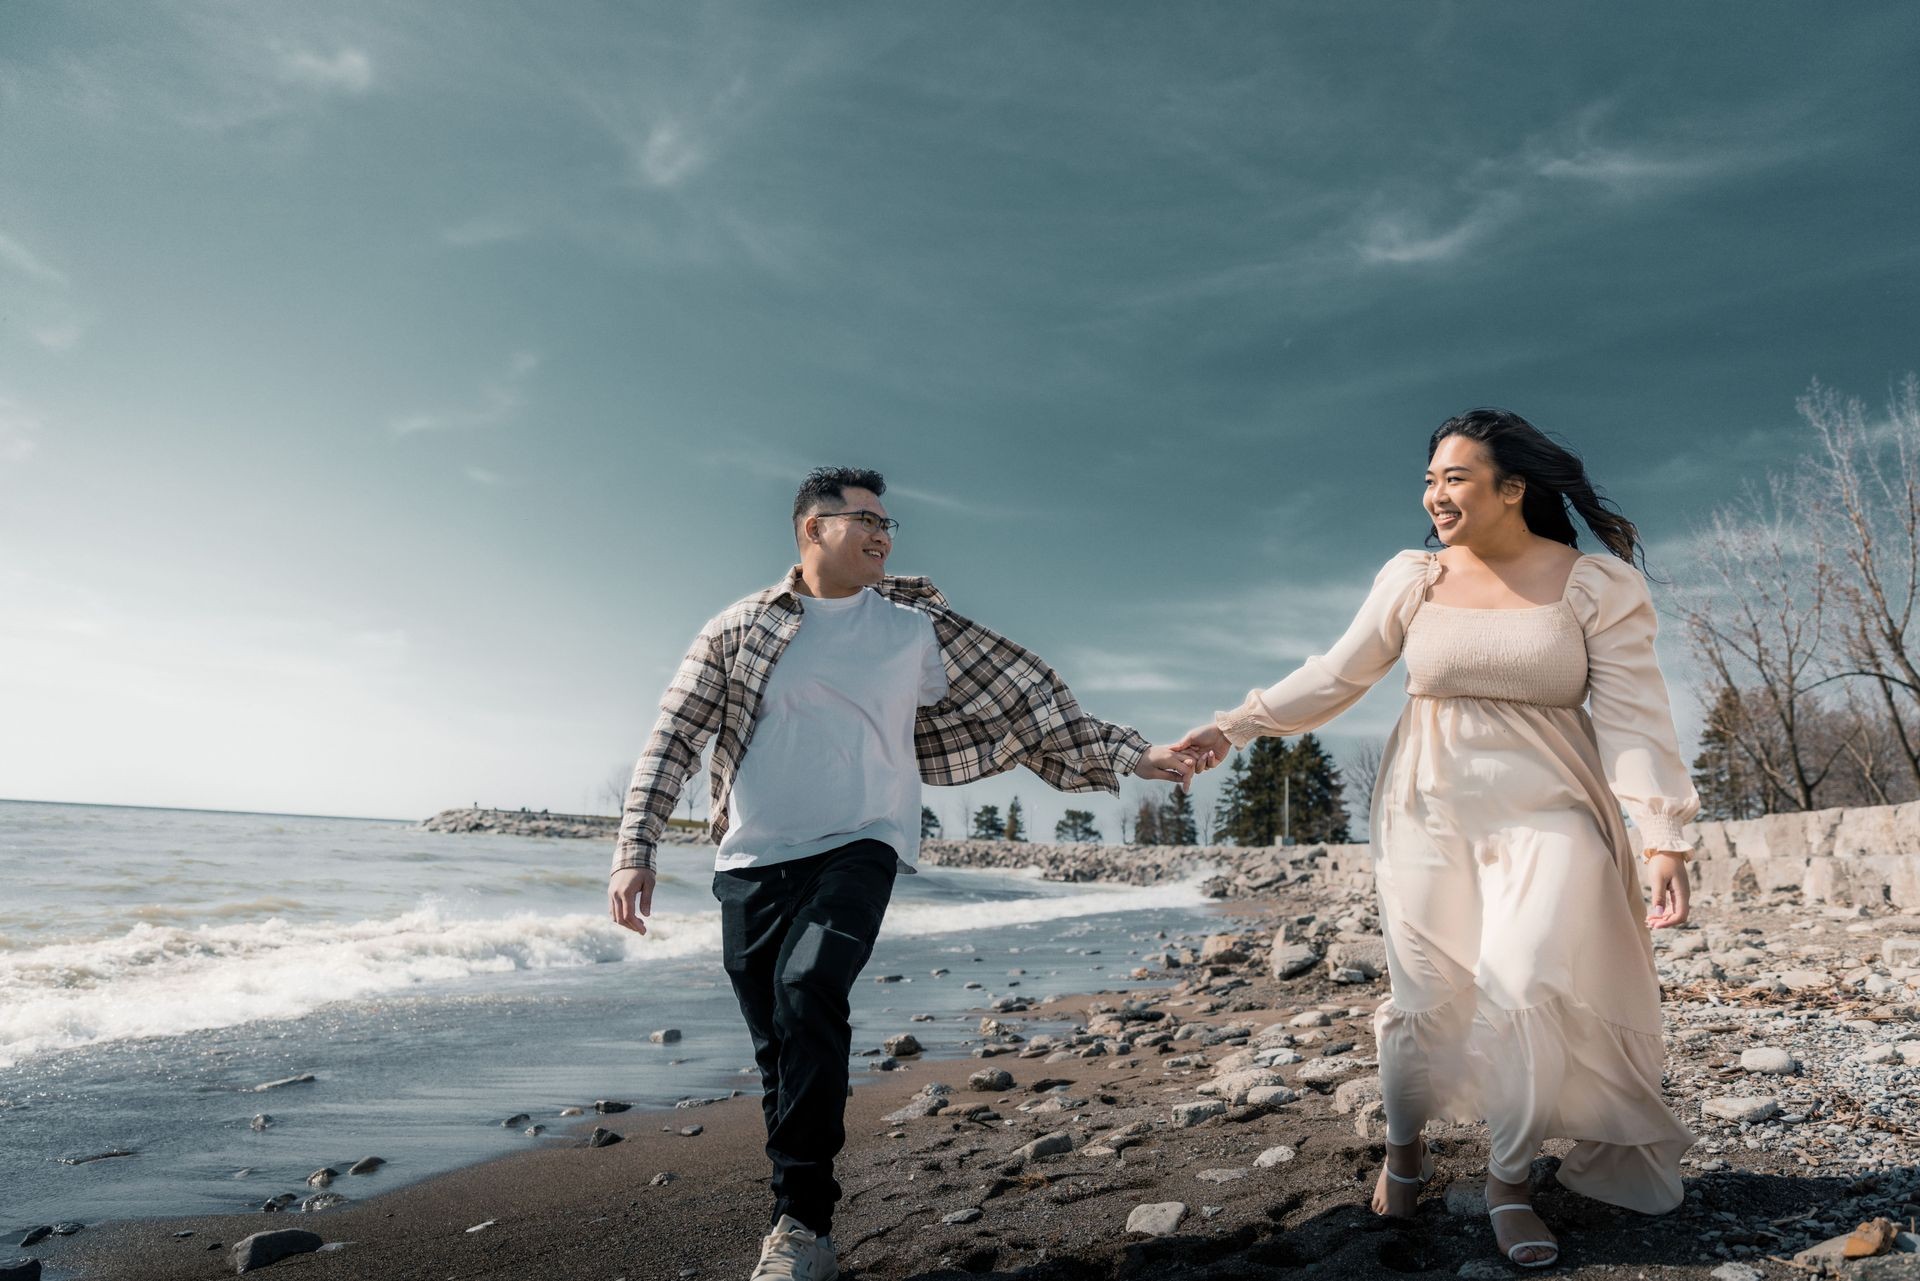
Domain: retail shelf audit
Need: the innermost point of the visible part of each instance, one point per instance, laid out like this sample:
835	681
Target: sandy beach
1239	1102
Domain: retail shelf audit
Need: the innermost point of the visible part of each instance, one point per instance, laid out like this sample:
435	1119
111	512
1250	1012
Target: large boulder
1368	956
1291	960
265	1248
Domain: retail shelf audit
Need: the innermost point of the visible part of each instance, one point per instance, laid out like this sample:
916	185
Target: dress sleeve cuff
632	857
1244	723
1661	834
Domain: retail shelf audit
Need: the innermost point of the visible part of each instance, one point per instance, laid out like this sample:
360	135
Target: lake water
157	965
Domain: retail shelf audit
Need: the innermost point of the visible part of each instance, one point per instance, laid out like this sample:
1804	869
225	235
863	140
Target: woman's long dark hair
1555	477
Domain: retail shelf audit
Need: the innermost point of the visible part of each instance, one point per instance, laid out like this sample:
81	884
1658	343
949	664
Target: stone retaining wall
1839	857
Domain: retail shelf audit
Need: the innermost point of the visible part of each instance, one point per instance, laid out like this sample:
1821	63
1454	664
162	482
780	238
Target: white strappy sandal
1518	1246
1422	1179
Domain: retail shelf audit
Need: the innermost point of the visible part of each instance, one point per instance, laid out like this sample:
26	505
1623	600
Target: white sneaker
791	1252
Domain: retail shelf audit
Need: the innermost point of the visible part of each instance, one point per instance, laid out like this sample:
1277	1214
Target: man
851	687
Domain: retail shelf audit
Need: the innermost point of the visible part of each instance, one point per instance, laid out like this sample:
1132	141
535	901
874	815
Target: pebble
1157	1219
1768	1059
991	1080
1223	1175
515	1121
1046	1145
264	1248
605	1106
1350	1096
573	1112
1280	1154
1310	1018
260	1122
691	1131
321	1201
969	1215
602	1138
1737	1272
661	1179
665	1036
1187	1115
1742	1108
321	1177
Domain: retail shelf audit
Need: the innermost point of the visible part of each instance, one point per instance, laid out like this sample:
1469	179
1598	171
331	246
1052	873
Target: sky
389	391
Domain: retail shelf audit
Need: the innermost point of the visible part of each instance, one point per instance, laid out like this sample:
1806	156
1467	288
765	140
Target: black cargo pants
794	938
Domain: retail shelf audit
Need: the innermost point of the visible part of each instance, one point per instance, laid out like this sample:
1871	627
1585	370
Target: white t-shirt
831	760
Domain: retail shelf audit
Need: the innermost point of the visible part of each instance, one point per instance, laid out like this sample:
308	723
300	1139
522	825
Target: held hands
1668	874
1168	764
630	897
1207	744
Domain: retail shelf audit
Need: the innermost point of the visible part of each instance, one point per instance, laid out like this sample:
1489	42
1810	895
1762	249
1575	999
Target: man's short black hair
825	485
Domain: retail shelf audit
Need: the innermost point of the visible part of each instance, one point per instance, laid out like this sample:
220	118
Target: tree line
1802	615
1276	790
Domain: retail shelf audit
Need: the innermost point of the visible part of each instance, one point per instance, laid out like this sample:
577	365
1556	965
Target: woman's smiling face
1462	494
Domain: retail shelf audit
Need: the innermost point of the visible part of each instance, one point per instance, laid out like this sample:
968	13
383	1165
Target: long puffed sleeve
1328	684
1627	698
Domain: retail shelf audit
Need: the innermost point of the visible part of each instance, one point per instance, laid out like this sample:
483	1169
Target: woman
1523	984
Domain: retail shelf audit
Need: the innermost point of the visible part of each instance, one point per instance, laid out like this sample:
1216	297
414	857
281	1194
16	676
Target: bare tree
612	796
1870	503
1360	772
1759	622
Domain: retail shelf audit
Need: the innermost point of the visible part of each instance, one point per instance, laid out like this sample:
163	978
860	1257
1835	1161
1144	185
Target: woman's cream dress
1523	985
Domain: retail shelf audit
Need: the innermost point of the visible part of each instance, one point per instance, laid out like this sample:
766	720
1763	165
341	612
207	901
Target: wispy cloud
498	400
19	432
481	476
347	70
18	257
62	336
1403	238
1111	672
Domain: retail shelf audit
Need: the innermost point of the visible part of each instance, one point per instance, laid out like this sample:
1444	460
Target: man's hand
1670	892
1206	744
1169	765
630	897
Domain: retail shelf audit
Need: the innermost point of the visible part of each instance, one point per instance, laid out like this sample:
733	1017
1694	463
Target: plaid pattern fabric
1004	707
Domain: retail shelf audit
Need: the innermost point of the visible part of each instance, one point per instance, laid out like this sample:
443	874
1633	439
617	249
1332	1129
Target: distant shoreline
197	809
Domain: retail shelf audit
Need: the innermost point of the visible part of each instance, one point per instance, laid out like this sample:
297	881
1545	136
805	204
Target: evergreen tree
987	825
1726	789
1319	806
1146	823
929	824
1016	821
1176	820
1076	826
1230	811
1261	794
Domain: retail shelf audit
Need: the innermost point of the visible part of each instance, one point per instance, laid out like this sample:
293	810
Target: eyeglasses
872	522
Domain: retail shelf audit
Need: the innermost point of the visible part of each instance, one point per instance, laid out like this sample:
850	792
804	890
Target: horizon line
201	809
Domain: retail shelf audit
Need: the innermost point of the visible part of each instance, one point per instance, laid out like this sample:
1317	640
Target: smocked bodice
1536	656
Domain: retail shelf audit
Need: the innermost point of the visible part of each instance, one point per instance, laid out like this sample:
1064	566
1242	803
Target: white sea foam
163	980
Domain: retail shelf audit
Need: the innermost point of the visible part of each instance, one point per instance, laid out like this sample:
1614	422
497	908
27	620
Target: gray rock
1369	956
1046	1145
1768	1060
692	1131
321	1177
902	1046
991	1080
1900	951
1350	1095
1277	1155
1804	980
1742	1108
1737	1272
1291	960
969	1215
665	1036
661	1179
602	1138
515	1121
260	1123
321	1201
1157	1219
918	1106
33	1236
1485	1270
1223	1176
573	1112
604	1106
1310	1018
1347	974
366	1165
1326	1071
1187	1115
1235	1086
264	1248
1271	1096
532	1132
275	1204
1467	1198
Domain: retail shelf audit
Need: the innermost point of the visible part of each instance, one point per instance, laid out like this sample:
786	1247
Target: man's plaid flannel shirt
1004	707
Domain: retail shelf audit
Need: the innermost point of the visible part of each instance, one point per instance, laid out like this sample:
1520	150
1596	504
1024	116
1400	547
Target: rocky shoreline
1216	1117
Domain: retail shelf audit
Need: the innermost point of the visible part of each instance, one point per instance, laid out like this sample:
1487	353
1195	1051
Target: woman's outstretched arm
1327	684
